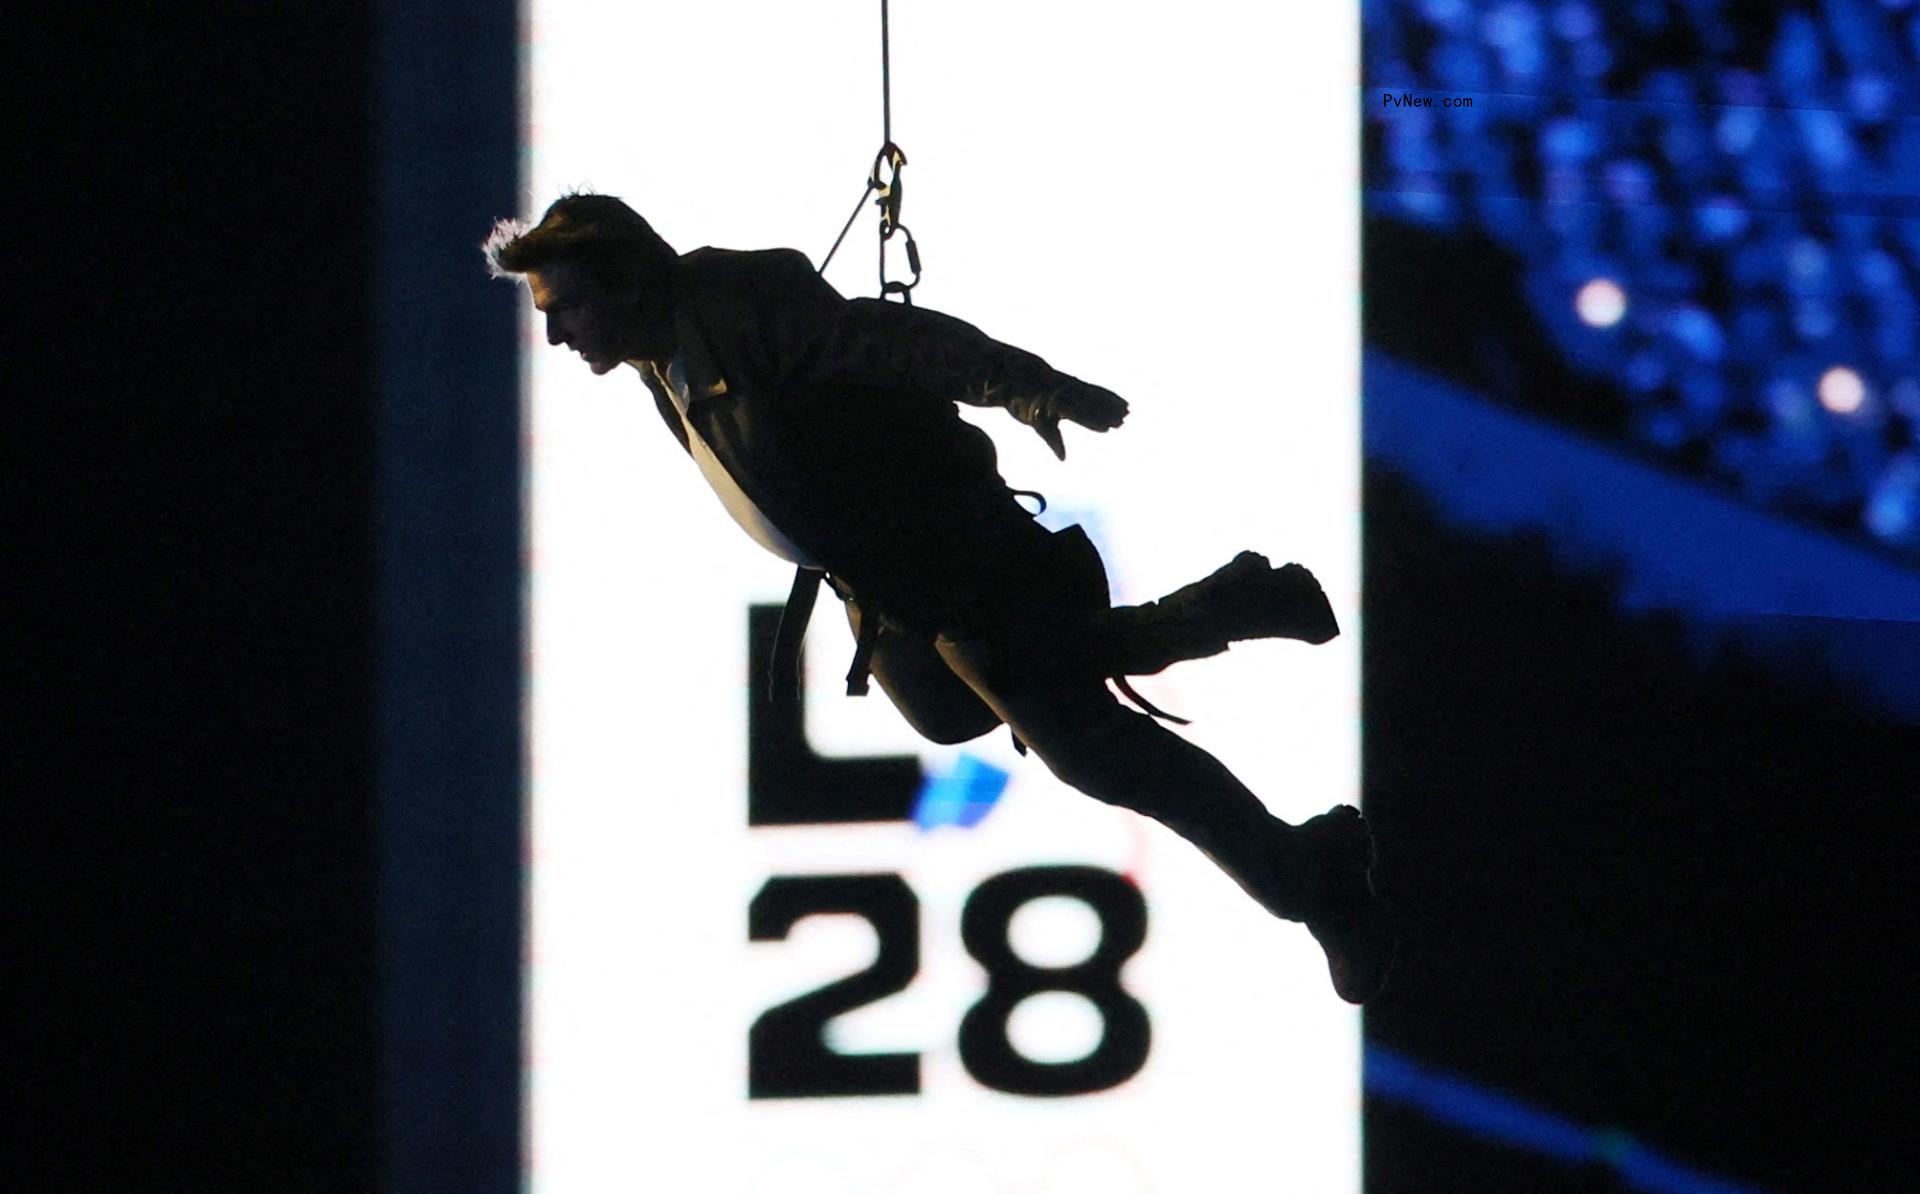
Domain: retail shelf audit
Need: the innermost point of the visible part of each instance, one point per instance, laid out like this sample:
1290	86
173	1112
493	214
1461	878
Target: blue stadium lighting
1749	203
1815	319
1490	1115
1575	22
1722	218
1905	396
962	797
1807	266
1699	332
1738	129
1870	96
1893	509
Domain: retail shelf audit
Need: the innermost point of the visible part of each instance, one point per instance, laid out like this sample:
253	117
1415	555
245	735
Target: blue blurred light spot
1566	188
1904	394
1628	180
1668	86
1592	58
1567	139
1705	395
1646	372
1826	136
1431	206
963	796
1893	511
1508	24
1663	429
1879	271
1523	59
1796	51
1461	64
1683	143
1451	15
1575	21
1870	96
1698	332
1814	319
1721	218
1788	403
1737	129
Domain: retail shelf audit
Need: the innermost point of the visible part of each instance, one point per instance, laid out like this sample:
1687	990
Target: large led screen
998	983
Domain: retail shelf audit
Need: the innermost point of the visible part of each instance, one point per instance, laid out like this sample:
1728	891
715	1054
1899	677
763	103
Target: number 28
787	1053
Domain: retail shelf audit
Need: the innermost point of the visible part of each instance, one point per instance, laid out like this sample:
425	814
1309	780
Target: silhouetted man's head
598	271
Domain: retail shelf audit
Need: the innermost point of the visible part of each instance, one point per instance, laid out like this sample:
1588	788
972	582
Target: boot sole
1319	625
1364	934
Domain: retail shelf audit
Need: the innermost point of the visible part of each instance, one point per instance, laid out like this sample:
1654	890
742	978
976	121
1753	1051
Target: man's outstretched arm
809	332
952	357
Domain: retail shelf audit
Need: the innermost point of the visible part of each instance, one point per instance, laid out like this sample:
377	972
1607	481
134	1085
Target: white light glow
1601	303
1165	205
1841	390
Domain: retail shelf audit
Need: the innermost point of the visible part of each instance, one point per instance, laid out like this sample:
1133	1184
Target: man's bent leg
1245	599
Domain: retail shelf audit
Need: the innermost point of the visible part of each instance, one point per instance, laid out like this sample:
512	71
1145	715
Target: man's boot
1317	874
1349	921
1248	598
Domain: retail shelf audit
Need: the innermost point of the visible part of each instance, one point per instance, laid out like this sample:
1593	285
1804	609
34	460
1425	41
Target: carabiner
890	191
903	289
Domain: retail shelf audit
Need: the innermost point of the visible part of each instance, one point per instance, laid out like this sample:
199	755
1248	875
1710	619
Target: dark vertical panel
450	740
196	757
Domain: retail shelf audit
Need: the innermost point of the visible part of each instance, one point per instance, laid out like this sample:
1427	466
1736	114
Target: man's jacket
837	418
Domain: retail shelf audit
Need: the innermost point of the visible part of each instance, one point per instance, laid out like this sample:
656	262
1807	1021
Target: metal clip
888	200
903	289
889	192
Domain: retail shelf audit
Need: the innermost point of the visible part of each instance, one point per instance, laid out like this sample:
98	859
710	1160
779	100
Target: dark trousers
1037	662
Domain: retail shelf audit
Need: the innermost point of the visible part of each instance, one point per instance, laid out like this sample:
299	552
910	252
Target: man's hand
1090	406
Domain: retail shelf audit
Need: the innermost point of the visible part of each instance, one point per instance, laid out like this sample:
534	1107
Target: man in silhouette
827	427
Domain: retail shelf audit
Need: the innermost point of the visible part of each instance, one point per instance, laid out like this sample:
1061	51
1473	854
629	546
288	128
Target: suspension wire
890	191
886	138
844	228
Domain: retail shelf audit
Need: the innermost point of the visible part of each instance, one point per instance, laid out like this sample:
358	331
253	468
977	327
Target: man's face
603	326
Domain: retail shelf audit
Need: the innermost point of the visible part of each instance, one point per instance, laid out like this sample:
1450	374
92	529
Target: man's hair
599	233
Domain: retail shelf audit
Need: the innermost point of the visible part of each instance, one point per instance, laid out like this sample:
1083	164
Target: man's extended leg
1315	873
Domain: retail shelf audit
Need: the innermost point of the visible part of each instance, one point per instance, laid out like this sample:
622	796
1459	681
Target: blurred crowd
1717	204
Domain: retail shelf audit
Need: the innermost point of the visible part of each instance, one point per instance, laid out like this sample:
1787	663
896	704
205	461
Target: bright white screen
1158	199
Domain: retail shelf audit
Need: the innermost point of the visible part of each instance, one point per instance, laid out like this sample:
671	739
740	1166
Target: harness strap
863	654
784	679
1152	710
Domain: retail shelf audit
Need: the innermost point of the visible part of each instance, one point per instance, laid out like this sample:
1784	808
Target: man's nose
554	335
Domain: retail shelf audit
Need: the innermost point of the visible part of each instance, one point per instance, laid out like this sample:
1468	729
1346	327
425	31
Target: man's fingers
1049	429
1099	409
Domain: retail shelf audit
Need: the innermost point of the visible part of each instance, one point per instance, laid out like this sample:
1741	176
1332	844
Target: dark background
200	752
269	867
265	631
